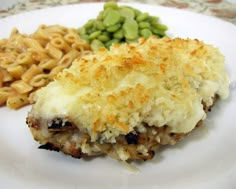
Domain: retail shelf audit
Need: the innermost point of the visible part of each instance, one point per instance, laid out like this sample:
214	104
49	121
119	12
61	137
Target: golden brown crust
133	83
130	100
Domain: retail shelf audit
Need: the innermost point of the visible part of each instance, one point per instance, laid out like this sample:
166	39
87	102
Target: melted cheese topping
156	81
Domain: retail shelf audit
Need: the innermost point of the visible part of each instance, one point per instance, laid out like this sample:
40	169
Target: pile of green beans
120	24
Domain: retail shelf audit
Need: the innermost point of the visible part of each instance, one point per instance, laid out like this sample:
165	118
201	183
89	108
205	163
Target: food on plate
29	62
128	101
119	24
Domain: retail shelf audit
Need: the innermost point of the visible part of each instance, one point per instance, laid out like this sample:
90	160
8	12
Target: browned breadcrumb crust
130	100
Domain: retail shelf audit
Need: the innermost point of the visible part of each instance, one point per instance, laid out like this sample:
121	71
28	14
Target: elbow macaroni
29	62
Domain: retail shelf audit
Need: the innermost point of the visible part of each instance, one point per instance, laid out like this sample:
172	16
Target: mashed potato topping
155	82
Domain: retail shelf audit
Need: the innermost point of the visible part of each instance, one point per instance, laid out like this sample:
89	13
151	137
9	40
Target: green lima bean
120	24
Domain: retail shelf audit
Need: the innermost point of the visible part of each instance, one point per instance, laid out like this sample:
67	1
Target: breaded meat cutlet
128	101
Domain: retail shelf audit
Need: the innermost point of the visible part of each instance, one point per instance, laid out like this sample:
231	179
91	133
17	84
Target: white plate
205	159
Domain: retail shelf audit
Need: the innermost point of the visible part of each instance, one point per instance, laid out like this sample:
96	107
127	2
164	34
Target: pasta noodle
59	43
57	69
34	44
48	64
68	58
17	101
6	77
53	51
25	58
5	92
21	86
31	72
29	62
16	71
40	80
